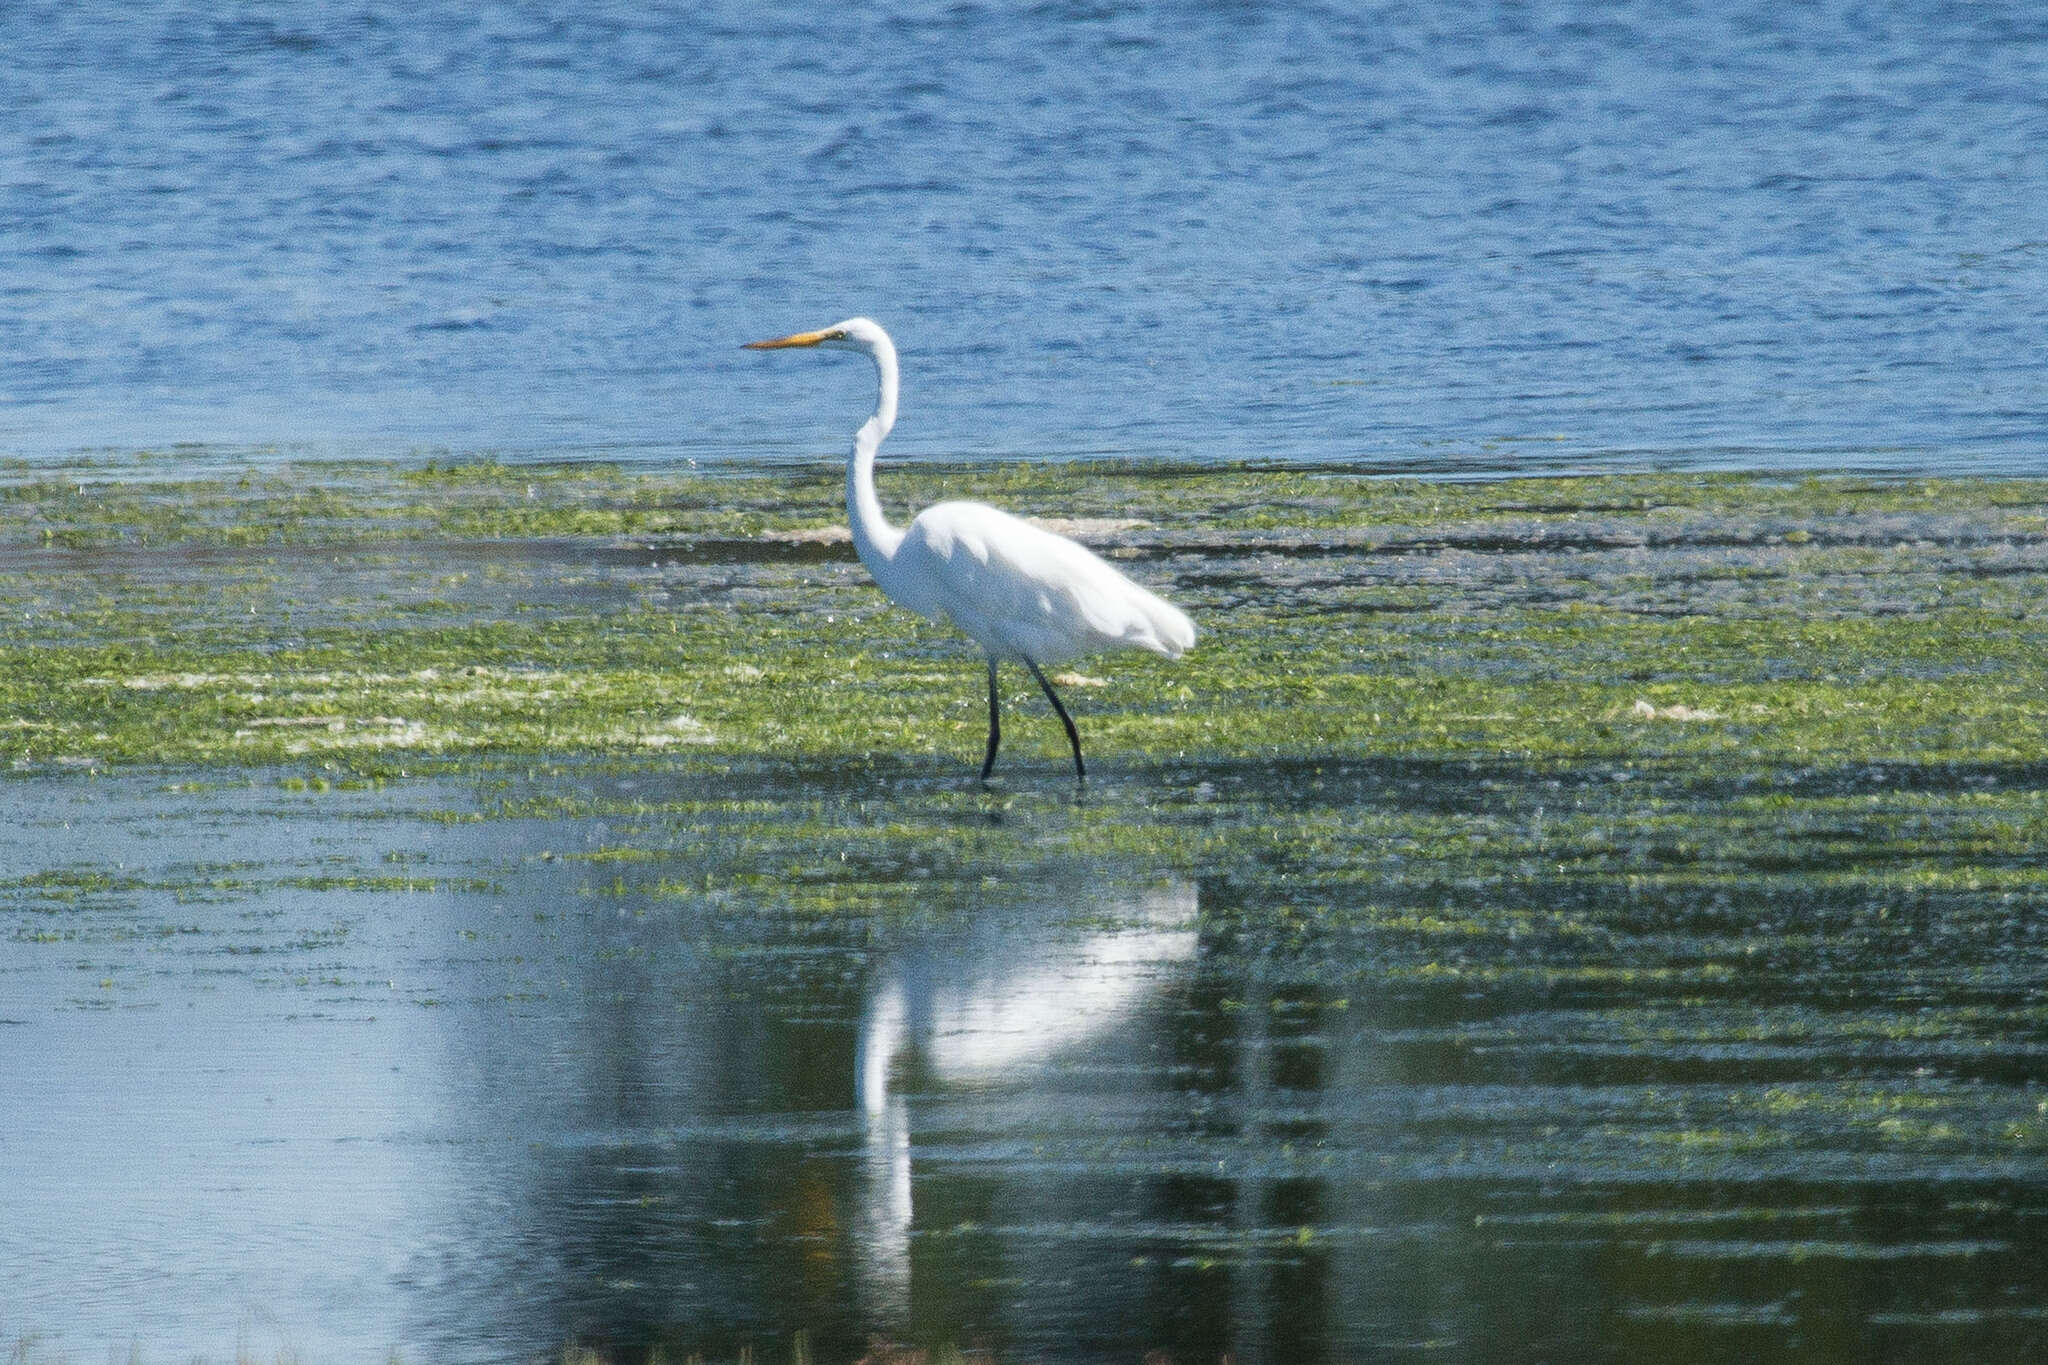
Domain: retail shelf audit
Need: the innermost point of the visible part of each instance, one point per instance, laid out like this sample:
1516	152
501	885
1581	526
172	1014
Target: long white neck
873	536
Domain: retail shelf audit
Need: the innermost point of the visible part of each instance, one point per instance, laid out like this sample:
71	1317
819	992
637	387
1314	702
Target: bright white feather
1021	592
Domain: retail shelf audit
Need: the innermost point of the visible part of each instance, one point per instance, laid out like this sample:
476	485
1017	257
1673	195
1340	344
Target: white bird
1019	591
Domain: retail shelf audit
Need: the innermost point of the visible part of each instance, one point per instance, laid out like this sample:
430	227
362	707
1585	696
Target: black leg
1073	735
995	725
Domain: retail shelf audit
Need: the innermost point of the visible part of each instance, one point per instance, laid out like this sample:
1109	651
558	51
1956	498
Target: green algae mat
375	618
1577	918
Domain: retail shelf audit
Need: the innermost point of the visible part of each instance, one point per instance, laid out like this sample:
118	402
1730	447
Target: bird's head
854	334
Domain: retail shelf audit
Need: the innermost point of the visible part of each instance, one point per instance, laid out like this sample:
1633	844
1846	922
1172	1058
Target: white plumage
1020	591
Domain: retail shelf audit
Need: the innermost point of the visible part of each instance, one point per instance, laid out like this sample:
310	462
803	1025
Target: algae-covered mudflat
466	910
376	617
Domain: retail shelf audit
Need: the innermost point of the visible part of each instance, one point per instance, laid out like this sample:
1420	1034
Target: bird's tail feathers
1161	627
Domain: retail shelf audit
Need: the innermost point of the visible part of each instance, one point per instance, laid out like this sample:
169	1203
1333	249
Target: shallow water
1478	238
1293	1062
1559	919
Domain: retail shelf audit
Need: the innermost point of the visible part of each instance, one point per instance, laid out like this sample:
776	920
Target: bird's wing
1022	591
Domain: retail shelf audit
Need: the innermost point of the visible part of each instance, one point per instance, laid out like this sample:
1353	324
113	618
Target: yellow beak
798	339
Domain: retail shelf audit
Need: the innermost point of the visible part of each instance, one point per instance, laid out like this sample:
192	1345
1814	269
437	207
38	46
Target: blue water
1470	237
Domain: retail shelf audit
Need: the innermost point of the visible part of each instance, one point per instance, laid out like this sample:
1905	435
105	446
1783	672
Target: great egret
1019	591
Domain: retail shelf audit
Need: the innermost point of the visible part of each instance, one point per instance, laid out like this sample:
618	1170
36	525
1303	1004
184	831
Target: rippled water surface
1368	1057
1441	237
1462	1042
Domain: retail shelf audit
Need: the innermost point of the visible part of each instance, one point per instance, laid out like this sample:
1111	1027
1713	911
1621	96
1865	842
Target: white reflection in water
986	1013
468	1117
